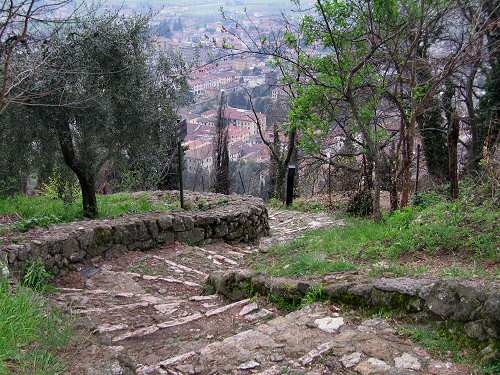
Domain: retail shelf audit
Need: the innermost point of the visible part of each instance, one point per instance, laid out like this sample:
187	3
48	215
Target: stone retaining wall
233	219
475	304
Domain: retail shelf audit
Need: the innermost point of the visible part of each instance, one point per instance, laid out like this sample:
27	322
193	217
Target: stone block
70	247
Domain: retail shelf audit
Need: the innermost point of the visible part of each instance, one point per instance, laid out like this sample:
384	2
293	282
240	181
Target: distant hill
207	7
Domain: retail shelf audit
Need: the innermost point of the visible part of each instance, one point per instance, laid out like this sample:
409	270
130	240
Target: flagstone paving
147	313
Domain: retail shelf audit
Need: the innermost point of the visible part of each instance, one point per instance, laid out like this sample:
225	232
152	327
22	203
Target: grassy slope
452	238
42	210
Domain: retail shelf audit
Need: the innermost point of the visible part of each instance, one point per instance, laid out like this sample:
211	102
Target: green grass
450	342
463	229
31	334
43	210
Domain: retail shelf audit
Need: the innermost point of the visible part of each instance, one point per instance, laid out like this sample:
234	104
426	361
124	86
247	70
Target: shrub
426	199
36	276
61	187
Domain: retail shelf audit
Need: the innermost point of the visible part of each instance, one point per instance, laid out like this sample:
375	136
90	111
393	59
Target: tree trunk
377	214
273	171
406	163
88	196
80	167
453	135
281	172
221	152
394	178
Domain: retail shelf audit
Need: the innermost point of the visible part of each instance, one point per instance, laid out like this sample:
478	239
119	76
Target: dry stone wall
232	219
473	304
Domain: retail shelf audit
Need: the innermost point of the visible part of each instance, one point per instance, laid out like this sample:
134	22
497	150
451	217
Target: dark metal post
289	184
418	169
329	180
242	183
180	168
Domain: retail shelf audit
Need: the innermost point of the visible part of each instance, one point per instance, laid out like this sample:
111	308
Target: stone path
147	314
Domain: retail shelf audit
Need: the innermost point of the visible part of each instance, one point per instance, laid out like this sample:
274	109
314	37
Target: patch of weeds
382	269
222	202
38	221
285	304
315	294
449	340
141	267
457	271
302	257
31	333
36	276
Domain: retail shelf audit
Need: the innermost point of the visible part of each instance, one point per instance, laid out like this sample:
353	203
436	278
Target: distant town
238	77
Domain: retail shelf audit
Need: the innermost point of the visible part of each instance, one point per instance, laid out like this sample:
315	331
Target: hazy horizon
208	7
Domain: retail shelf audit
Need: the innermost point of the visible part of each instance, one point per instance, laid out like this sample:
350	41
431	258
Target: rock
165	222
372	366
277	358
476	330
376	347
178	224
351	360
440	368
70	247
250	308
329	325
261	314
4	266
249	365
107	328
407	361
490	354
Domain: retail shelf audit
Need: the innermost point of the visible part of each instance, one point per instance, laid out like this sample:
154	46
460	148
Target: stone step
263	346
313	340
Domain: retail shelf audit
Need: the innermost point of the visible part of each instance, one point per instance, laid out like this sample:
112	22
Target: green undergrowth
44	210
299	204
32	335
315	294
435	231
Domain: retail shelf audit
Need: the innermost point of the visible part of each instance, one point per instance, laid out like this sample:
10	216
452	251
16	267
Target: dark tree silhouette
220	151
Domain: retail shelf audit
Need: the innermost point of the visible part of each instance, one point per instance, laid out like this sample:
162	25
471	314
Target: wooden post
453	134
329	180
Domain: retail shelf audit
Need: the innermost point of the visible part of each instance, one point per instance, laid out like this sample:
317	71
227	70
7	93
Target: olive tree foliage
111	100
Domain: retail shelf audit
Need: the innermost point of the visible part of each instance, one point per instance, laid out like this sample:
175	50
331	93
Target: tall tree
118	100
221	180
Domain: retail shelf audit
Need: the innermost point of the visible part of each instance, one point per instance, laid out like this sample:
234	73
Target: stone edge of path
239	219
476	305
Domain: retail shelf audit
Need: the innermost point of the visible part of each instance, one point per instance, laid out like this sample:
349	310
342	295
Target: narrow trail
148	315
